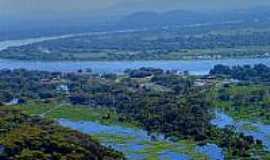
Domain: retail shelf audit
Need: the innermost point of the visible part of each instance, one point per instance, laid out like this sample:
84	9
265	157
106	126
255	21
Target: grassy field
76	113
243	102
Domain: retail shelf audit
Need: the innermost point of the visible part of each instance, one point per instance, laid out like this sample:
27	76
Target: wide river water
137	144
197	67
193	66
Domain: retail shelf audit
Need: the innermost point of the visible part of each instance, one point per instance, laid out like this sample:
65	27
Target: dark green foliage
22	83
197	42
221	70
245	100
237	144
163	102
30	138
143	72
177	83
256	73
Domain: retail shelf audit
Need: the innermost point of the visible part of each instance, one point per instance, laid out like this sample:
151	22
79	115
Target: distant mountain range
138	20
153	19
180	17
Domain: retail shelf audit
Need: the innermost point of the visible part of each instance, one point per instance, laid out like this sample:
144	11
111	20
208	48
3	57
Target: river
136	144
197	67
130	141
21	42
256	129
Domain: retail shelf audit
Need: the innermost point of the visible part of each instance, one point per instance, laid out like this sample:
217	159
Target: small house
63	89
15	101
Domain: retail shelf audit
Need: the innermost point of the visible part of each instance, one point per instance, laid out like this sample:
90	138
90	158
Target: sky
54	7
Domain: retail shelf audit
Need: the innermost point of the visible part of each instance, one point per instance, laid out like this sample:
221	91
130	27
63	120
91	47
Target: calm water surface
133	142
138	145
257	130
193	66
197	67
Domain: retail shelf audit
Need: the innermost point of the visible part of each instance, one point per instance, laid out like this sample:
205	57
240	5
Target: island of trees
156	100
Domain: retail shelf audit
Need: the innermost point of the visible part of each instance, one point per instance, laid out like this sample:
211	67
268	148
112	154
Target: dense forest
256	73
160	101
249	98
30	138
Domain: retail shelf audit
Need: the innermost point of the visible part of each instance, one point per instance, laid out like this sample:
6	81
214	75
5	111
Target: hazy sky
42	7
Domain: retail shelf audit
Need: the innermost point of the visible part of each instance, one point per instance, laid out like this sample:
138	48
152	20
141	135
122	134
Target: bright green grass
247	111
246	90
187	147
153	149
250	127
76	113
112	138
35	108
79	113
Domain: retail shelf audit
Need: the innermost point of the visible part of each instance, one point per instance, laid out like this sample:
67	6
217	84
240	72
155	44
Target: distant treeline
177	43
258	72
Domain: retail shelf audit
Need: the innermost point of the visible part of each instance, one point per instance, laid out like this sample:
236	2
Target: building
15	101
63	88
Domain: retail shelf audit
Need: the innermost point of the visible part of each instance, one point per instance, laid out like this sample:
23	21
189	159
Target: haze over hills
105	22
181	17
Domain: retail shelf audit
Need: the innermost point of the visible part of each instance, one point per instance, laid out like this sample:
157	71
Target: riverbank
123	136
60	110
127	137
242	102
143	45
258	130
27	137
197	67
158	101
